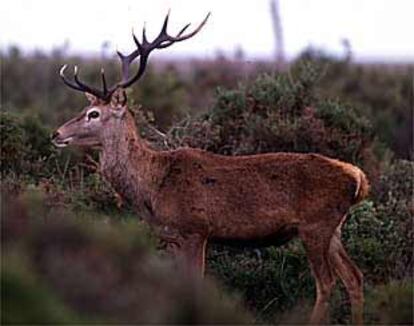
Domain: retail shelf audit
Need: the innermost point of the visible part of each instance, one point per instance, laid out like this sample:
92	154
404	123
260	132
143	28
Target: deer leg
192	250
317	248
350	275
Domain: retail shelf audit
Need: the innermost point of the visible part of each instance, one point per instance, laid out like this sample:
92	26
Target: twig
161	134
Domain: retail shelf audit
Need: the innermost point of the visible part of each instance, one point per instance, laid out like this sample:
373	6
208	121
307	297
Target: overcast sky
376	29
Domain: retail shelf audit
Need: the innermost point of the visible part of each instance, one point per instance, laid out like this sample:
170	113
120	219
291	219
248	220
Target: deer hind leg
350	275
316	244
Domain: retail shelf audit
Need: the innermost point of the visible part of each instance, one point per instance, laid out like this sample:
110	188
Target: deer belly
254	240
246	222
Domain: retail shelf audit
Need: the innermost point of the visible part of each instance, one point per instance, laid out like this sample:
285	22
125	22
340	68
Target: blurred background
377	30
332	77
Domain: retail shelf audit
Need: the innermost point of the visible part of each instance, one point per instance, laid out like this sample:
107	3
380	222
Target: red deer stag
192	196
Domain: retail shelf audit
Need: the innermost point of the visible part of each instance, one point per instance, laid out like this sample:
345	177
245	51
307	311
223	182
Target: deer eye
93	115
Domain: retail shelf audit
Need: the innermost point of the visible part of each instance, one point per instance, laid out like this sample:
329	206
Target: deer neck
129	164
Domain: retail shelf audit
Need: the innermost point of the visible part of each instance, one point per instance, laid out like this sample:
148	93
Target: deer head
107	106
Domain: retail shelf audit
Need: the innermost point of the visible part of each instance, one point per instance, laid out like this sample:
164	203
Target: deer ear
91	98
118	102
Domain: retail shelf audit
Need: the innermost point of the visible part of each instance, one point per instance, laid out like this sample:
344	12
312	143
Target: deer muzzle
58	141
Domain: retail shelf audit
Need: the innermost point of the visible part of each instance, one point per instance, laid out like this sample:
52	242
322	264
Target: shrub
26	148
396	208
270	280
13	149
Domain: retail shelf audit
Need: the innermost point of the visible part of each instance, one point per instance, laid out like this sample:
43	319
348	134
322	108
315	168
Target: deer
192	197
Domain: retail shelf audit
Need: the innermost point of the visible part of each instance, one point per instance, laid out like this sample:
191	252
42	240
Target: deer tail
359	178
362	188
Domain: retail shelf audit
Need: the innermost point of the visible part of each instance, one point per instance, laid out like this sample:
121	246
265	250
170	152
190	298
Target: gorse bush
25	146
395	205
12	145
270	280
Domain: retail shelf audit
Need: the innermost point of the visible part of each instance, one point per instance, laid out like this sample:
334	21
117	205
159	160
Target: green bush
12	144
270	280
395	205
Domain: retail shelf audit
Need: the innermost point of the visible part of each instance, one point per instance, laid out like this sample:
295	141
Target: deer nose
54	135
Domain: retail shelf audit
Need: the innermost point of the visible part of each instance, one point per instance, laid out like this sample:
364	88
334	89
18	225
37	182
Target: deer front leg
188	249
192	253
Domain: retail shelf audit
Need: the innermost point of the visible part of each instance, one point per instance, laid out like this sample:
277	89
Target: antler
144	48
162	41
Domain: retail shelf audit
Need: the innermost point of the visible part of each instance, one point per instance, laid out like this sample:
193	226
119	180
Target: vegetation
74	253
66	267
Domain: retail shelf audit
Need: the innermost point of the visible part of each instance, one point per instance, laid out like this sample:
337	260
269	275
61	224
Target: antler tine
105	89
144	36
86	88
163	36
66	81
168	43
137	43
126	61
165	23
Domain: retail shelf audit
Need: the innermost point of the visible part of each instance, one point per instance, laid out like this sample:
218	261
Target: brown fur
192	196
